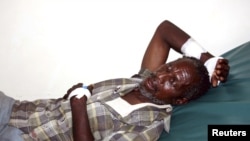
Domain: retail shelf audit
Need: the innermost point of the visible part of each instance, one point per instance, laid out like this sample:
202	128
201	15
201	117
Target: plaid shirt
51	119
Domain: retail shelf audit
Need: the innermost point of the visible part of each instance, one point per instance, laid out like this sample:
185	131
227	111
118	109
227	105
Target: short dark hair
196	90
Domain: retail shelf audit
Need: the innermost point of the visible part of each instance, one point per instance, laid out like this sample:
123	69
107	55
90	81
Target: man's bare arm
167	36
81	127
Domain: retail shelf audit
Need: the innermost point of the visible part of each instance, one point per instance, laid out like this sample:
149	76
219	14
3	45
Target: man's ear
181	101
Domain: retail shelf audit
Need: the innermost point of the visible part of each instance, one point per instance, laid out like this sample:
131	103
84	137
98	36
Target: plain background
46	46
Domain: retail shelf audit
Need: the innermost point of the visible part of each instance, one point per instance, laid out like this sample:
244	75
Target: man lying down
122	109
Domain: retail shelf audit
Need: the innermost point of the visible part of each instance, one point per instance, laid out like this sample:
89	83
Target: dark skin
171	80
80	119
164	85
81	127
168	83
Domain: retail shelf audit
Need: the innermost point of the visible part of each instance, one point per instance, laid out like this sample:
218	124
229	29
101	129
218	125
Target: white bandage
210	65
80	92
192	49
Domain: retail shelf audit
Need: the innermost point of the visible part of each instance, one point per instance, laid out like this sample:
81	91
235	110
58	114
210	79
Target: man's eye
173	82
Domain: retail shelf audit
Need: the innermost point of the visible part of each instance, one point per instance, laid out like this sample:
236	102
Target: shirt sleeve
138	133
143	73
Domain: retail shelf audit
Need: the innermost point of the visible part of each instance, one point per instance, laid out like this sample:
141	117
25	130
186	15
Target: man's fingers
214	80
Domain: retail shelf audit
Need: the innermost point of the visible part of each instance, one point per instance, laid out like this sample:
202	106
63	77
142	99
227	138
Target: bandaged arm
191	48
80	92
81	127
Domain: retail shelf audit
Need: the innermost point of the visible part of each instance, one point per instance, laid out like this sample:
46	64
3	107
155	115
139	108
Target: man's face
169	81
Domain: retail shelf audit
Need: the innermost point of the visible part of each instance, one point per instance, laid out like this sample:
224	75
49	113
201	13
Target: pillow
227	104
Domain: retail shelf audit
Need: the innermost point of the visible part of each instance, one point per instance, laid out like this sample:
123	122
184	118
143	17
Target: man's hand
218	68
221	72
79	85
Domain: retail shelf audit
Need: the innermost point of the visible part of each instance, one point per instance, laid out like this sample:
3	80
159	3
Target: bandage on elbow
191	48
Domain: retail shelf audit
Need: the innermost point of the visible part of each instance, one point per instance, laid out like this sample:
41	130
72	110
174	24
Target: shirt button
48	114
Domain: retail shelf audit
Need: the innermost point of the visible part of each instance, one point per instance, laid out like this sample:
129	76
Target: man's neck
135	97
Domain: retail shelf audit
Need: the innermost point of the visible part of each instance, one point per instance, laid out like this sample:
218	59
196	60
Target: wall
47	46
